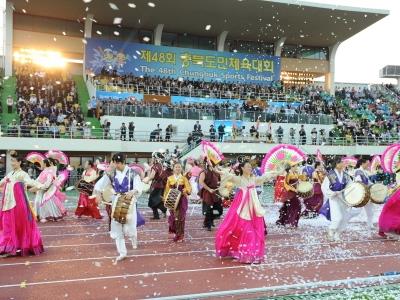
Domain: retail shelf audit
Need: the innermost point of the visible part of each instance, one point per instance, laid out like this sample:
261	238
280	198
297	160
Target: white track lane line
304	287
168	240
147	274
179	253
139	231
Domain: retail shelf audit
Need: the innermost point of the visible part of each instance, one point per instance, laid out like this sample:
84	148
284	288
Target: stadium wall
112	146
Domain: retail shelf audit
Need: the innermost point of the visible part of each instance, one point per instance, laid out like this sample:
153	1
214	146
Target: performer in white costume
362	175
332	188
125	181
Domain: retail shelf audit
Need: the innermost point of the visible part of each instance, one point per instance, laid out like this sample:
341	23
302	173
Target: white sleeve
102	184
137	185
326	188
29	181
227	176
266	177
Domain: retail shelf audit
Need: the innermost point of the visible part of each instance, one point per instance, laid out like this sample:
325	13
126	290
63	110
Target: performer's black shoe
208	228
155	218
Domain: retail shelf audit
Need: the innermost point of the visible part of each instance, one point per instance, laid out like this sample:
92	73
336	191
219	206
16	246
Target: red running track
78	263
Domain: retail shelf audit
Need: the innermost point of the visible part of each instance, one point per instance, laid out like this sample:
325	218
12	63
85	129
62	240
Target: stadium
194	150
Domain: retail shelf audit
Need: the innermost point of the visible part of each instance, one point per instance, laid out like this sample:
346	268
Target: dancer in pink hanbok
19	234
49	200
389	220
241	233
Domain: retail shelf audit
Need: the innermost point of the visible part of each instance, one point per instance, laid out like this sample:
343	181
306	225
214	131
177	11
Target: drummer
157	186
209	181
289	213
308	169
124	180
314	204
87	206
332	188
361	175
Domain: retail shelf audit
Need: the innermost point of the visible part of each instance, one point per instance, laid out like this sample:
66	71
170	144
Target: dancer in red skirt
87	206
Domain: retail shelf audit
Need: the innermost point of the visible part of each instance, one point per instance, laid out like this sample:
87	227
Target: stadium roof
300	22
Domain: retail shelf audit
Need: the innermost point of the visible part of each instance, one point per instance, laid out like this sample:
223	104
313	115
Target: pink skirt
19	233
238	238
389	220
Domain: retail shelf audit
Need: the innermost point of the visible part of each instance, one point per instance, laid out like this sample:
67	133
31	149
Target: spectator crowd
47	104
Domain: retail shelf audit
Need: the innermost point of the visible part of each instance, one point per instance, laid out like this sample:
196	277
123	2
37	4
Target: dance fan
36	158
375	164
387	157
350	161
60	156
212	153
394	164
280	156
319	157
138	168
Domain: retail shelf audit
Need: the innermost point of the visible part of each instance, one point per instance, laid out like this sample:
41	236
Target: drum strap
130	175
332	176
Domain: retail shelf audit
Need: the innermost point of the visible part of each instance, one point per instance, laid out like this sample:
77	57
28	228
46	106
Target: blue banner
103	95
228	125
193	64
188	100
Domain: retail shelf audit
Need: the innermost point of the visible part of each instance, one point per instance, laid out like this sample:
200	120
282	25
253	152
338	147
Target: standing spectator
55	132
92	106
314	136
106	129
254	132
212	133
177	152
197	126
10	104
131	129
123	132
190	140
158	133
322	138
87	131
269	132
72	128
302	135
234	130
221	132
292	133
168	132
279	134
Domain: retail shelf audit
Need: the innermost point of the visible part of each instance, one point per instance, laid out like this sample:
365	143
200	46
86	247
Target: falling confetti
117	21
113	6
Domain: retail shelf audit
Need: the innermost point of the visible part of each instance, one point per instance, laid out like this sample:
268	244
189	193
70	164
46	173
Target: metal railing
181	137
196	92
212	114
